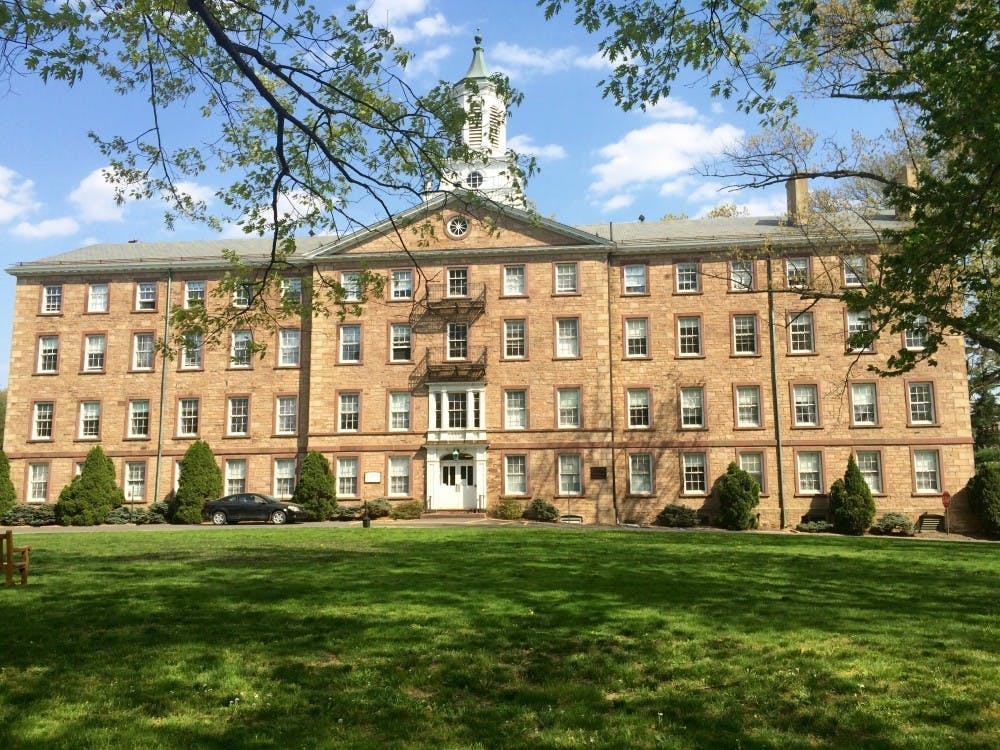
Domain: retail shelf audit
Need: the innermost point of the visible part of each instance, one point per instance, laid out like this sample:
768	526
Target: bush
92	494
7	496
315	491
815	527
200	480
539	510
677	517
30	514
851	503
378	508
738	496
984	497
140	514
158	512
894	523
990	454
408	511
508	509
346	513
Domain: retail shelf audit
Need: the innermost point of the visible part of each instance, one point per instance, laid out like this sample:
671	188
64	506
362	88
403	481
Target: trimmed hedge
676	516
408	510
894	523
815	527
508	509
30	514
380	507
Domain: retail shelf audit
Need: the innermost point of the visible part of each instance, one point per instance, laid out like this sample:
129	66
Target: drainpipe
163	389
611	395
774	393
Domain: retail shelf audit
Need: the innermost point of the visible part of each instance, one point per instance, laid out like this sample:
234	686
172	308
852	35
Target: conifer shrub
315	490
408	510
508	509
30	514
7	495
380	507
346	513
539	510
815	527
200	480
984	497
851	503
676	516
738	495
92	494
895	524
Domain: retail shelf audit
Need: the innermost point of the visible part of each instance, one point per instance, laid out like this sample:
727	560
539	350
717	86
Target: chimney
797	195
907	176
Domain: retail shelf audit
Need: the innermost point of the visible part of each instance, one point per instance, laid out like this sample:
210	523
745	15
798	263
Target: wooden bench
8	552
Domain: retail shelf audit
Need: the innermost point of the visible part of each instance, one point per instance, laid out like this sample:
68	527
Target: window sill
749	428
689	356
92	372
48	373
235	437
39	440
807	427
136	438
133	371
745	355
692	293
635	294
865	426
802	354
918	425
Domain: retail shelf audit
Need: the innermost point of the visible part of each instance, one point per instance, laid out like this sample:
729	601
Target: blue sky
597	163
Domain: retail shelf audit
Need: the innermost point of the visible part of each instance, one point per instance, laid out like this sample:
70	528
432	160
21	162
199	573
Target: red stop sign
945	498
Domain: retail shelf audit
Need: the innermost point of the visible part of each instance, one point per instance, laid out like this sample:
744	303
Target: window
515	409
351	283
515	345
745	334
458	282
142	351
191	356
863	408
349	412
291	292
474	180
457	227
399	476
239	416
634	279
870	463
640	473
350	344
806	400
692	408
48	353
399	411
401	284
287	422
855	270
187	417
41	422
753	464
695	474
748	406
138	418
97	298
566	278
401	345
458	341
194	294
347	477
51	305
567	337
800	333
569	407
859	326
740	275
135	481
921	398
809	468
689	336
638	407
452	409
687	280
289	347
796	272
926	476
637	337
514	281
515	475
457	410
145	295
93	357
570	474
236	475
284	477
38	482
242	294
90	419
240	353
915	338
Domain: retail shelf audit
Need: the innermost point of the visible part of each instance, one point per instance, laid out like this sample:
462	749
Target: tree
933	63
984	496
984	380
738	494
200	480
91	494
7	495
851	503
315	489
3	413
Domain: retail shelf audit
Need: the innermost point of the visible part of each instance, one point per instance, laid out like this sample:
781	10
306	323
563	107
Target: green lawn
499	638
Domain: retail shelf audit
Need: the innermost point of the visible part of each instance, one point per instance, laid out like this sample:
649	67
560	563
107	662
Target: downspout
163	390
779	448
611	389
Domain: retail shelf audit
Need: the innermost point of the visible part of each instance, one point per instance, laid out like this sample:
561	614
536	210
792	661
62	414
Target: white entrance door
458	485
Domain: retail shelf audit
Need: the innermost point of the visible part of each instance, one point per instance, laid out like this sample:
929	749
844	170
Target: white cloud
17	195
424	28
428	61
48	228
523	144
382	12
618	201
95	198
515	59
760	204
658	152
672	109
197	192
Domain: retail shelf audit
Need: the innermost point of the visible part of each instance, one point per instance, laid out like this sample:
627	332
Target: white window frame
458	341
240	357
639	407
143	346
238	416
95	352
570	473
924	410
687	277
756	472
137	417
515	474
48	348
810	488
858	322
399	476
98	298
284	479
640	473
350	344
870	464
694	473
401	284
135	481
801	333
855	270
350	282
242	293
458	282
864	404
43	420
635	278
399	418
235	474
194	294
692	407
347	476
193	357
569	408
748	410
515	409
567	338
915	339
188	415
38	482
515	338
743	335
689	338
927	472
515	281
741	277
400	342
52	299
797	277
637	338
90	420
567	279
286	415
289	347
145	296
291	291
349	412
805	402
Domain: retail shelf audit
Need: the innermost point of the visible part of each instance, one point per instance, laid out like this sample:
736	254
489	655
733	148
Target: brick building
609	369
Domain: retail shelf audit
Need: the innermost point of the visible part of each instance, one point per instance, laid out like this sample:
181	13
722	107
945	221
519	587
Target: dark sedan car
251	506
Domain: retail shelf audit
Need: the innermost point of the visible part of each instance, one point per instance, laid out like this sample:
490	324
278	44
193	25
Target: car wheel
219	518
278	516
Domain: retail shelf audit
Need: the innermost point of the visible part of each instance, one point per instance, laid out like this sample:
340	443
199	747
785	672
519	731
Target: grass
499	638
